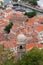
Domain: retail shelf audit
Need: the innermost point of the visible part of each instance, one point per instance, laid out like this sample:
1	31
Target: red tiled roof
40	45
27	28
31	45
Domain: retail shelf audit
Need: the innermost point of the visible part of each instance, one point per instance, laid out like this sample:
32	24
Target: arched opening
21	47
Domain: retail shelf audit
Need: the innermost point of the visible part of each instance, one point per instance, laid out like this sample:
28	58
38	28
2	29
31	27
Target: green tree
30	14
33	57
6	56
1	3
33	2
8	27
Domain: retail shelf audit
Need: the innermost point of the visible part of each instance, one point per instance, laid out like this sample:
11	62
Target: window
21	47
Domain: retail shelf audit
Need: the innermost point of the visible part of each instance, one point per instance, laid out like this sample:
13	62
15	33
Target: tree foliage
33	2
30	14
8	27
6	56
33	57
